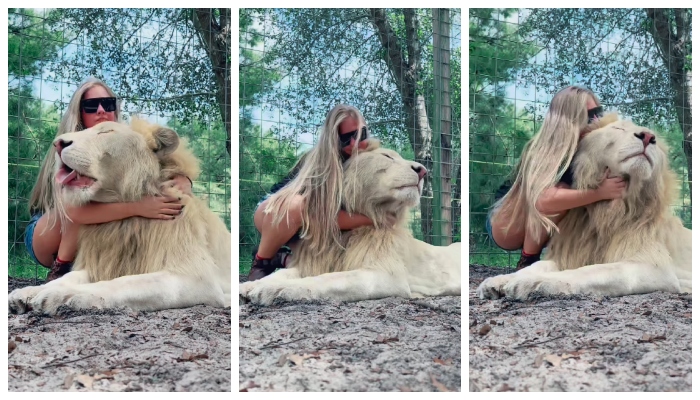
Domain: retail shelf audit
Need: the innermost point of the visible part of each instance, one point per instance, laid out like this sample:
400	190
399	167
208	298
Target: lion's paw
522	287
266	294
492	288
19	299
49	300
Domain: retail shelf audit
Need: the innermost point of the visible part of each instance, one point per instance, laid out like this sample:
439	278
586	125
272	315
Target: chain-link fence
638	61
399	67
170	66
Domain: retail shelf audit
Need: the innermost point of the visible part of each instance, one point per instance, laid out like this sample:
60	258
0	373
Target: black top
567	178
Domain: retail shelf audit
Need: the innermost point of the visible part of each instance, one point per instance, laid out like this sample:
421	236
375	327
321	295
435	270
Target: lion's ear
166	141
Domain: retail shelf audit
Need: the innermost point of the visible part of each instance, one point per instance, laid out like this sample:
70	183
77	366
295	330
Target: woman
541	195
53	244
311	190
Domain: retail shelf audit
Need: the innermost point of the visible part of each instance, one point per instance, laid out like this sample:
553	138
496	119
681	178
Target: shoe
263	268
526	261
58	269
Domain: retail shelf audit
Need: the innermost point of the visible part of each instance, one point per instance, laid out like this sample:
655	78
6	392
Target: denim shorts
29	237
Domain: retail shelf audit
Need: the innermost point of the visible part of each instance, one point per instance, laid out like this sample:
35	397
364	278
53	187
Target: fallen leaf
647	312
187	356
553	359
11	346
504	388
439	386
85	380
484	329
539	360
382	339
187	329
68	381
443	362
18	339
405	389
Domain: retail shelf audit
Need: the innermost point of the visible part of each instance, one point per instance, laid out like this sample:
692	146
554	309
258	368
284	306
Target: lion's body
141	263
374	261
628	246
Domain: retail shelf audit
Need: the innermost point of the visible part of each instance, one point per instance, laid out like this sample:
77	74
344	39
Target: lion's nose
646	138
420	170
61	144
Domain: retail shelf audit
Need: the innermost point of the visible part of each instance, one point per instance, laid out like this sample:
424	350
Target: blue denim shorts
29	237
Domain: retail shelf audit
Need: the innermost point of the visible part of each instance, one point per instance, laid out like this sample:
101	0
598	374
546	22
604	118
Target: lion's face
381	179
628	150
108	162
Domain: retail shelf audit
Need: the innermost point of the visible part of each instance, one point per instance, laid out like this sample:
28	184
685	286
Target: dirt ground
579	343
381	345
116	351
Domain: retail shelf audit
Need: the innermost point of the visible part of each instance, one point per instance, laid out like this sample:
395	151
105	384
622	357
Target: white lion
139	263
627	246
377	261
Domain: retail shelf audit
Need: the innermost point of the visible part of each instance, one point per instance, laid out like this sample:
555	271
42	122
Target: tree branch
389	42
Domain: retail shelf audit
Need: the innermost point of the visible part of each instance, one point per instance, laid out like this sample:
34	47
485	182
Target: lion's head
628	150
378	181
114	162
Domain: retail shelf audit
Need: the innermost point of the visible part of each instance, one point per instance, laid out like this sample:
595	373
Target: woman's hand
179	181
611	188
158	207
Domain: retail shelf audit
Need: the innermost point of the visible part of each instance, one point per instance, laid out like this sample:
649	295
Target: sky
269	119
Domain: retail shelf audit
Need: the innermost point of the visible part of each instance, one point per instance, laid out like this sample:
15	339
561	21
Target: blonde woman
526	215
312	190
54	244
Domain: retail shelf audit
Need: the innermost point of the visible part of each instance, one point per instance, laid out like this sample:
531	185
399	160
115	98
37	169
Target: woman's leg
272	238
54	243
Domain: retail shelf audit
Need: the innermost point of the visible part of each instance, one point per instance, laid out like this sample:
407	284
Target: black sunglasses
594	113
90	106
346	138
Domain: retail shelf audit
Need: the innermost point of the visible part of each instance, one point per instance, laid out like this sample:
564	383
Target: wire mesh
638	62
169	66
400	67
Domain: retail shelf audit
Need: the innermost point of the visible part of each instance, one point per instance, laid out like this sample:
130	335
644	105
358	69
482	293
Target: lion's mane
638	227
141	245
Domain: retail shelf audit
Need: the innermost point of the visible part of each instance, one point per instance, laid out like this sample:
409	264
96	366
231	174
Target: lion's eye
388	156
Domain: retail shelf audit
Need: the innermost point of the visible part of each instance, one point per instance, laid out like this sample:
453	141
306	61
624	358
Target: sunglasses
90	106
346	138
595	113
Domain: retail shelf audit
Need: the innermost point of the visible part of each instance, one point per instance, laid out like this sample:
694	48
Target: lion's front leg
20	299
493	287
613	279
145	292
278	276
362	284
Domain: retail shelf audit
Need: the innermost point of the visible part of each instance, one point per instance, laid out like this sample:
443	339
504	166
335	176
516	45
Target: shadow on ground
630	343
172	350
380	345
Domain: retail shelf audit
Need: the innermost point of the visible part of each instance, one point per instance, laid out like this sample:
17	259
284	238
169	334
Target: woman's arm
97	213
561	198
349	222
158	207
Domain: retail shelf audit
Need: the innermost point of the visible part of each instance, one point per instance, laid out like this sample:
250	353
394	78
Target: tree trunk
404	70
674	49
443	125
216	39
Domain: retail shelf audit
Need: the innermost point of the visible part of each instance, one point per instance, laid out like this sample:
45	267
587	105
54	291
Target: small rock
486	328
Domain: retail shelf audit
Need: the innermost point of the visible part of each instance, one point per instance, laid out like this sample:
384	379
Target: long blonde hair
319	182
42	196
546	157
